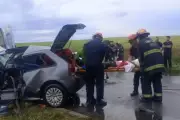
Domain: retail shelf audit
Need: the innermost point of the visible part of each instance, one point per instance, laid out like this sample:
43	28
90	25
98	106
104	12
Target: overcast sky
40	20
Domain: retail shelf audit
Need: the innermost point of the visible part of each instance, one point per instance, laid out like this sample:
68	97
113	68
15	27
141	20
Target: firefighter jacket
151	59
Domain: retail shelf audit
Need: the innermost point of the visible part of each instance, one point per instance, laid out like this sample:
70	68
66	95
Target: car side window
36	61
17	59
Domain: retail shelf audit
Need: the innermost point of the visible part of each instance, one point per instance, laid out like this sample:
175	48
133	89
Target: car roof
33	49
17	50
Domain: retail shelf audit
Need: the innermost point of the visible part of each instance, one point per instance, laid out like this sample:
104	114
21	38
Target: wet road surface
123	107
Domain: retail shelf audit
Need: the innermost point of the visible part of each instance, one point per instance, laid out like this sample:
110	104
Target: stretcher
119	67
110	69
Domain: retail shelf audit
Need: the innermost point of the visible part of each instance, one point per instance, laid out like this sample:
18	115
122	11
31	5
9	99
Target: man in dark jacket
94	53
134	54
152	67
120	51
108	56
167	48
113	50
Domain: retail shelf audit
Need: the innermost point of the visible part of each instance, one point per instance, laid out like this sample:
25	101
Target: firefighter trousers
94	76
155	80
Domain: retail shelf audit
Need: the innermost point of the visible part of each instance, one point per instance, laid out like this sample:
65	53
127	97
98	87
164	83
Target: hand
130	58
135	64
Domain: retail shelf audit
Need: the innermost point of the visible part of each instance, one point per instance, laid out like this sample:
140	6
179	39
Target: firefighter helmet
142	32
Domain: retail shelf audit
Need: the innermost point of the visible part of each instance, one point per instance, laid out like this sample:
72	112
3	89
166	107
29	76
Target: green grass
76	45
37	113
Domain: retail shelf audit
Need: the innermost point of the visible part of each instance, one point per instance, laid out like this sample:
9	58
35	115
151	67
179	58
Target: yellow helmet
142	32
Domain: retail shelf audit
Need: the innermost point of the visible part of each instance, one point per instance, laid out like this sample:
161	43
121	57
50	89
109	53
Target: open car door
6	38
64	36
61	40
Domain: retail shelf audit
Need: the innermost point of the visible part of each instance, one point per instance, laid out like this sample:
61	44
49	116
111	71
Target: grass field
76	45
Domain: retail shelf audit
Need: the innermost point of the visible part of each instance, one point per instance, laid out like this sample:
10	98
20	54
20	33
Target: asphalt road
123	107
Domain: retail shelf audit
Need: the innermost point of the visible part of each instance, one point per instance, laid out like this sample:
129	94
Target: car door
1	73
30	62
6	38
37	61
36	68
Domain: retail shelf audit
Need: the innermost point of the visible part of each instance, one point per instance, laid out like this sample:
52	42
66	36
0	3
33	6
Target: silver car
48	72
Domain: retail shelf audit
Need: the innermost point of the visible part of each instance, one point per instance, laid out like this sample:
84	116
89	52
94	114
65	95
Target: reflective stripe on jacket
151	58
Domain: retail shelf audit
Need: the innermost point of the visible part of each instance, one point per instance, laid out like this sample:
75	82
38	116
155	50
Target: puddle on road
122	107
131	109
110	83
119	112
176	81
111	112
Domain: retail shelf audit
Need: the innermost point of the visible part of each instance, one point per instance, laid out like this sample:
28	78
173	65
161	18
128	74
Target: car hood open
64	35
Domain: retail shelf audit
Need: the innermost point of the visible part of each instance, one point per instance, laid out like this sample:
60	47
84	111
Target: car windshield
4	58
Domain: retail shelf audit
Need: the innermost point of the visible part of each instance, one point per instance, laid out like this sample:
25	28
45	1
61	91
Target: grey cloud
17	13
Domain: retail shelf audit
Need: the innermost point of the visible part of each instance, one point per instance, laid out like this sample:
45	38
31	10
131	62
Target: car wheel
74	100
55	95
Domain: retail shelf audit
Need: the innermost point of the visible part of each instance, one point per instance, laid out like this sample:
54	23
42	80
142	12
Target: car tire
55	95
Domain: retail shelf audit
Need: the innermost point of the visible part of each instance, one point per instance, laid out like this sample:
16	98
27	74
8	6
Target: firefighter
152	67
134	54
167	48
94	53
113	50
108	56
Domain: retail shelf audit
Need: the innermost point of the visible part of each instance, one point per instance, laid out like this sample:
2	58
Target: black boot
134	94
157	99
101	103
89	103
145	100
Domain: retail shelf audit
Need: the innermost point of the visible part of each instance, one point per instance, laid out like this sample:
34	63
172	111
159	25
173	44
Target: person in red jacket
134	54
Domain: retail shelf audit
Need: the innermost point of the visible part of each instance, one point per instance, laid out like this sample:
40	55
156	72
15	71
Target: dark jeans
167	61
95	76
137	77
